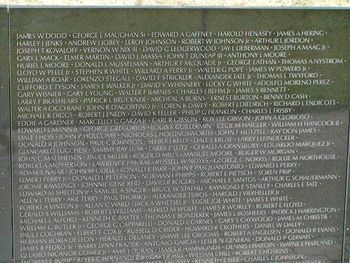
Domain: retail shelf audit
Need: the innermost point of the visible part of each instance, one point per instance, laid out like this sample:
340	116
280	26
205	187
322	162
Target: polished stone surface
179	135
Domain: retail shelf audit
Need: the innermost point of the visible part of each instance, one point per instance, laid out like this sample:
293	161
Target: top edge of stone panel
184	3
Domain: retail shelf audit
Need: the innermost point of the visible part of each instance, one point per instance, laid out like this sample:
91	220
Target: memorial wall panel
177	135
5	167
